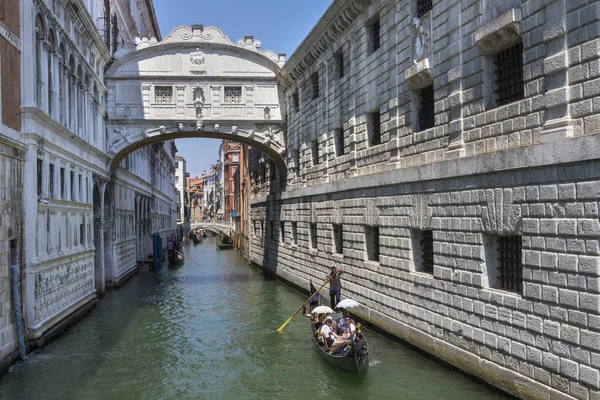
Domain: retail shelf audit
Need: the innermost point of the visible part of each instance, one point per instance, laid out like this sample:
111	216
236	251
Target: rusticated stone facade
446	158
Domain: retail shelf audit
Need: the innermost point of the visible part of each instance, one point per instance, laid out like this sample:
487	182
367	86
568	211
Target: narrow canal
206	330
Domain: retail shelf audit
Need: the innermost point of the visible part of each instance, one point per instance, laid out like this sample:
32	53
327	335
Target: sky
279	25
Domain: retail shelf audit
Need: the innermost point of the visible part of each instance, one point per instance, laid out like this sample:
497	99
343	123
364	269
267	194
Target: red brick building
231	162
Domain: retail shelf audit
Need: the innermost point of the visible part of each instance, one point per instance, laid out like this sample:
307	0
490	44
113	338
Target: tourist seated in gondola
328	337
349	329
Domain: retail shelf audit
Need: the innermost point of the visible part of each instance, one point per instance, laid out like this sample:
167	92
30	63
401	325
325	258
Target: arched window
39	68
71	93
52	75
62	87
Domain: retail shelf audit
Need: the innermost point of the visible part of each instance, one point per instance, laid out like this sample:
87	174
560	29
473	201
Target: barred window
372	242
423	7
339	63
422	242
314	145
339	142
294	232
233	95
296	101
374	128
374	35
282	231
509	75
163	94
314	81
313	235
338	241
503	262
426	108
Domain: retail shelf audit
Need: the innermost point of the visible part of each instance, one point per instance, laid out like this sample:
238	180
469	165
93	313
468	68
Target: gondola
349	357
177	258
223	246
196	240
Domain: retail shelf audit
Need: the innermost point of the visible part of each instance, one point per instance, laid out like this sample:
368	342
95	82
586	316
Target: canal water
206	330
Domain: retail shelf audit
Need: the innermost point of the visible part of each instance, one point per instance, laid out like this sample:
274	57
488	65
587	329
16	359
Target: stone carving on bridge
198	100
209	34
499	214
120	136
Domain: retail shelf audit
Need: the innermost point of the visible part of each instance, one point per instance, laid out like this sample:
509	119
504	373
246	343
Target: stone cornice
328	29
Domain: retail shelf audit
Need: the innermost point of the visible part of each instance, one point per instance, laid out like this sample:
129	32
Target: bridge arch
195	83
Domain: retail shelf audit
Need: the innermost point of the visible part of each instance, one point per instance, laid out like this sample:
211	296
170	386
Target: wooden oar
303	304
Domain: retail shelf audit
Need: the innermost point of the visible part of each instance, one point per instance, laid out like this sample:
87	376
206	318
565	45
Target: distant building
195	189
181	190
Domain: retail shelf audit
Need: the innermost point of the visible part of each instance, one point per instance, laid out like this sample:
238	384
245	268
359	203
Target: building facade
76	227
231	162
444	156
12	153
181	190
195	188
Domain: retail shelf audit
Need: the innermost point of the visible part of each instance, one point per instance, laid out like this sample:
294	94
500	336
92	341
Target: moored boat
196	240
177	258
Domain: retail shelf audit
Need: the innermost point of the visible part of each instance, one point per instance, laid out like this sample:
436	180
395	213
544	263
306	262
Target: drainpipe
17	305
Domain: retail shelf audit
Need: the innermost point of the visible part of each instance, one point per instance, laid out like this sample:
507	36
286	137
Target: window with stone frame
374	128
503	260
423	7
339	141
314	83
233	95
40	177
338	239
374	34
426	108
314	151
313	235
51	181
294	232
372	243
282	231
72	186
508	75
296	101
163	94
422	250
338	58
62	177
81	233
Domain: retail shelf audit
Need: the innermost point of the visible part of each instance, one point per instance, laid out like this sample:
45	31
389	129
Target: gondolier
335	285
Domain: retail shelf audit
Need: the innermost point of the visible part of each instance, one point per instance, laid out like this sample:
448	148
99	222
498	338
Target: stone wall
11	212
424	218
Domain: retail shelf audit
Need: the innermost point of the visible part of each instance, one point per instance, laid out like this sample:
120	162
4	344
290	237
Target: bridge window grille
163	94
338	238
372	242
314	81
233	95
427	250
423	7
426	108
313	235
509	75
510	269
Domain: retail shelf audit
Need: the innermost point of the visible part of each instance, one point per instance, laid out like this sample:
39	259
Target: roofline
153	19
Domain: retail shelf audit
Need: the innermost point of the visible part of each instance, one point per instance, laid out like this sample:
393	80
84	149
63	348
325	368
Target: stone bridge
217	227
195	83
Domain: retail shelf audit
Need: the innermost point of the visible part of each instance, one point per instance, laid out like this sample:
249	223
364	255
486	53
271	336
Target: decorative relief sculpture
198	100
420	40
197	57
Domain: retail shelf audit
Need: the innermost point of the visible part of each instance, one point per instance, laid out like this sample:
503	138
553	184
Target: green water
206	330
